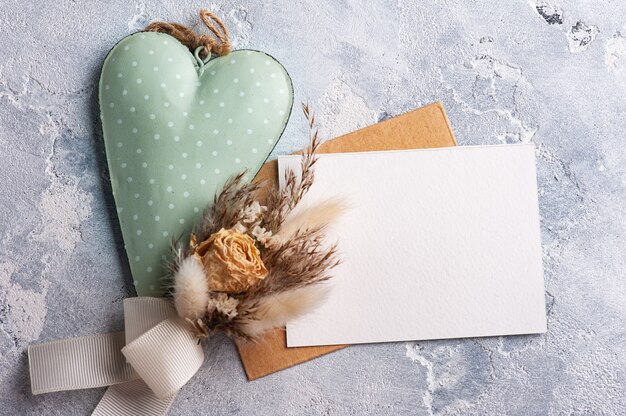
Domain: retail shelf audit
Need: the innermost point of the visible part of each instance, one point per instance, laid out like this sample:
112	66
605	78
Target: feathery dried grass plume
281	201
276	310
289	244
323	213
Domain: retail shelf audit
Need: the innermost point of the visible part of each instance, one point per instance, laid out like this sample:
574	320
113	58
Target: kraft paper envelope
436	243
426	127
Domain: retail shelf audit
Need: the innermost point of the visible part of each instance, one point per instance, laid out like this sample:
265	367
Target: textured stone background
507	72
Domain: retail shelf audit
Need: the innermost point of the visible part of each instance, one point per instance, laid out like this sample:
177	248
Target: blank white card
437	243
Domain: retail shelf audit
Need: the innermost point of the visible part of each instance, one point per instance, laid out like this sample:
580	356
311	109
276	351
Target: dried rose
231	261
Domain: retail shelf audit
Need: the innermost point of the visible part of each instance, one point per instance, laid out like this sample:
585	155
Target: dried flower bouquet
250	267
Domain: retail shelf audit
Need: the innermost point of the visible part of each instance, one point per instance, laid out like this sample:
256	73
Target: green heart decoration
176	127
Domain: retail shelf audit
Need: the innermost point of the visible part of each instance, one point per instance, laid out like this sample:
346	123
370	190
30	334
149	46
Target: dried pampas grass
276	310
311	218
191	290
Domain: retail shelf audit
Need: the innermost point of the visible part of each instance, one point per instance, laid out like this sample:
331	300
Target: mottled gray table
506	71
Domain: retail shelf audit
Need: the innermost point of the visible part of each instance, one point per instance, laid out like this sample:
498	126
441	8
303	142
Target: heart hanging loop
202	61
218	44
222	47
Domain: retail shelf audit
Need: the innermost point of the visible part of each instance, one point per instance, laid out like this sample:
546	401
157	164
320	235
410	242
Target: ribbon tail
79	363
132	398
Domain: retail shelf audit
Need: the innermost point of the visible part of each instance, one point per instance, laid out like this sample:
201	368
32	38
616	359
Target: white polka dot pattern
174	134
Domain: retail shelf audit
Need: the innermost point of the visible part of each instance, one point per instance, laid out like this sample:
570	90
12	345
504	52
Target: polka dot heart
175	130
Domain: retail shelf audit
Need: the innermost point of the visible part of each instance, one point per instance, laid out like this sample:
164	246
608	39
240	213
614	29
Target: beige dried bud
231	261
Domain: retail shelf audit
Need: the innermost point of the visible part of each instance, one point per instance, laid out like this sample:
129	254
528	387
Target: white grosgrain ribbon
145	366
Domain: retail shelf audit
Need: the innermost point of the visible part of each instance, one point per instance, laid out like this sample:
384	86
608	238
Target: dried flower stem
281	202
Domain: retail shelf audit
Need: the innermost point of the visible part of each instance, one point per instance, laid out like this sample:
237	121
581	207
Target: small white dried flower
239	227
262	235
251	213
224	304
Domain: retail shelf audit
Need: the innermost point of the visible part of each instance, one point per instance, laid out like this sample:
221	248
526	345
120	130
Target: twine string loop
217	43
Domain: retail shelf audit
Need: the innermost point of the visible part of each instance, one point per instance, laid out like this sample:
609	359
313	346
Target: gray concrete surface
507	71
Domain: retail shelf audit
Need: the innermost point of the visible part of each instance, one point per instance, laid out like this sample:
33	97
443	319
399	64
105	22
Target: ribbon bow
145	365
